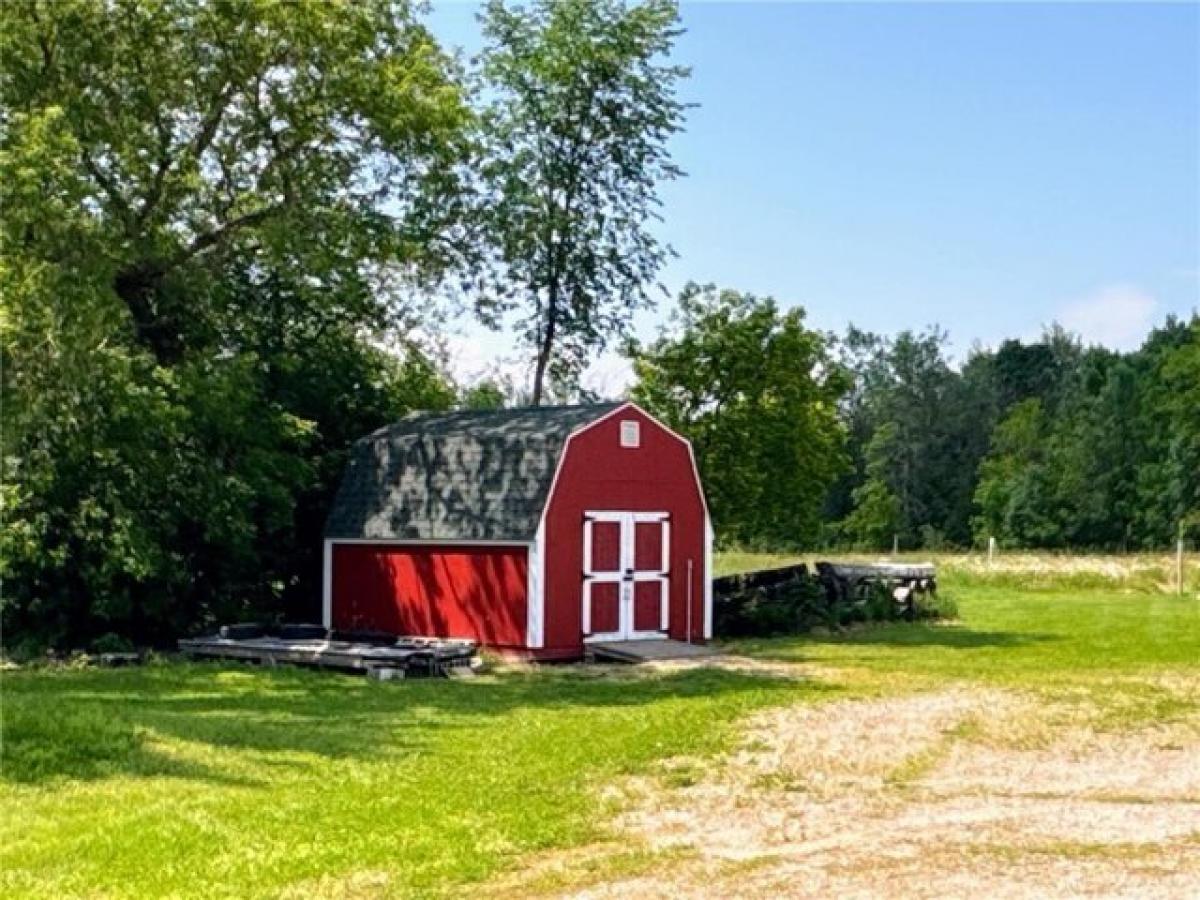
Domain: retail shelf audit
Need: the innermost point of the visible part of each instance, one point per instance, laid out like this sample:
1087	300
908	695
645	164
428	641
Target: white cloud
1116	316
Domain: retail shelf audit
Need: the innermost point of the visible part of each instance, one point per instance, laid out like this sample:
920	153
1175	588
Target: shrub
111	643
801	602
786	608
26	649
935	606
878	604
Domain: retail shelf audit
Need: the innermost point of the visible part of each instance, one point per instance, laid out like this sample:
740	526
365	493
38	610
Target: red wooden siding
598	474
469	592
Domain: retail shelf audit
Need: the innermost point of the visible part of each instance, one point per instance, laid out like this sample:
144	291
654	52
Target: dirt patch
956	793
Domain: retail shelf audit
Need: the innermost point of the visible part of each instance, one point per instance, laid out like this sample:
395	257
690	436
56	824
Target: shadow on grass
95	724
918	634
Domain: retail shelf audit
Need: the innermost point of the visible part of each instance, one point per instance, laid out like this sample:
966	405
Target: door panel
605	607
648	597
606	547
648	546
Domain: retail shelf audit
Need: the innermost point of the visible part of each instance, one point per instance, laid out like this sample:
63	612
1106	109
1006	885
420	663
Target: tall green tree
321	139
1105	456
1168	480
1015	495
581	106
756	391
919	448
212	214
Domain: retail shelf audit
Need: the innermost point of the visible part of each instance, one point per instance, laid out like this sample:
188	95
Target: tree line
230	235
857	440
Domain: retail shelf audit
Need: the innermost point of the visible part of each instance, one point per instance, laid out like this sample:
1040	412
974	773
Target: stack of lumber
310	645
852	581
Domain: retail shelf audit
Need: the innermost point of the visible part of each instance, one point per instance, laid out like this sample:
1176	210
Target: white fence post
991	550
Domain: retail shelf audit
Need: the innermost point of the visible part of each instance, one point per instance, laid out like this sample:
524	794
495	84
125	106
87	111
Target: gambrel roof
456	476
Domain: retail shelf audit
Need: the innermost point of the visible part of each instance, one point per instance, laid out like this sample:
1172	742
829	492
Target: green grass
1013	637
1070	632
238	782
231	781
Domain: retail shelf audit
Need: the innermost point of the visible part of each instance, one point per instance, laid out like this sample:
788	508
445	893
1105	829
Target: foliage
580	109
484	395
1039	444
111	643
788	607
876	517
917	438
801	603
935	606
212	213
756	392
196	133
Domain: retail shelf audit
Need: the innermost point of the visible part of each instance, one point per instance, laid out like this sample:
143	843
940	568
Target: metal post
689	601
895	544
991	550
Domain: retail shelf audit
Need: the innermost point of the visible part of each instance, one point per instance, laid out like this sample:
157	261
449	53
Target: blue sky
986	167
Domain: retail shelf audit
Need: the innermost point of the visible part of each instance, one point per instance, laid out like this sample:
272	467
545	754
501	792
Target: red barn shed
529	530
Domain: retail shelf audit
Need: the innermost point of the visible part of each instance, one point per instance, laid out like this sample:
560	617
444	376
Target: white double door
626	575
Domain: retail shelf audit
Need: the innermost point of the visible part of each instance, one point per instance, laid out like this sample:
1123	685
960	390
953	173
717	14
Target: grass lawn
1020	638
230	781
1105	648
238	782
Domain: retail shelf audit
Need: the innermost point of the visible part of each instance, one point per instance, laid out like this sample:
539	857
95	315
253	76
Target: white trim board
327	584
535	591
431	542
708	595
628	404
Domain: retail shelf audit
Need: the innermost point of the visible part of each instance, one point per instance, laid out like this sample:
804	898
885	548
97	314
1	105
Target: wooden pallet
328	654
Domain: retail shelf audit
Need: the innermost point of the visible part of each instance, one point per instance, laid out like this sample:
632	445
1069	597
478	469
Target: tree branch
44	43
109	188
220	235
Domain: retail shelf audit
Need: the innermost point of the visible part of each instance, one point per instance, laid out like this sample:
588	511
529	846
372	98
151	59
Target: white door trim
626	576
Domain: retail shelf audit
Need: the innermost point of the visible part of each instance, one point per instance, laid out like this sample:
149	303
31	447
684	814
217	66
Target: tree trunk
139	287
545	349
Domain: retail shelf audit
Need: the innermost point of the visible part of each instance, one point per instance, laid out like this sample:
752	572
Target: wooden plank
883	570
647	651
332	654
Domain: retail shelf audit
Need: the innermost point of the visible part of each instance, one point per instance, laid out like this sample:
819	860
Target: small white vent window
631	434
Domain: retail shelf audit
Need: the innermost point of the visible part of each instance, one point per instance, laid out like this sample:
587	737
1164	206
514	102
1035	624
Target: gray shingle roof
469	475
